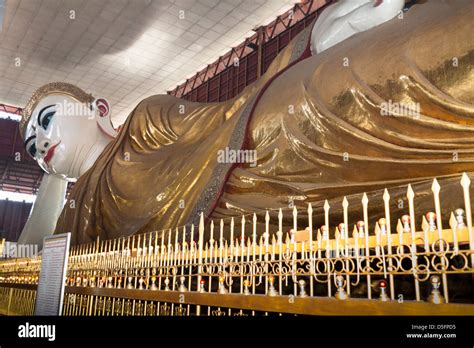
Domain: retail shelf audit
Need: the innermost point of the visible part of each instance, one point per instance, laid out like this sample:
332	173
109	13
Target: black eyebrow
31	137
41	113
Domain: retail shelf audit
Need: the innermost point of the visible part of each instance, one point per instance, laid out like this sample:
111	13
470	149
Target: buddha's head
66	129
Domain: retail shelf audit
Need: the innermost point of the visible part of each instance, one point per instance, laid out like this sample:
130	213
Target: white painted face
64	136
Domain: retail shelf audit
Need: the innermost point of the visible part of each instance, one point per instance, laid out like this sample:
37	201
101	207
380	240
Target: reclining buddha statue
367	98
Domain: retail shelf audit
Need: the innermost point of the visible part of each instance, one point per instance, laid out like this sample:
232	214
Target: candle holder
246	287
340	293
435	296
92	282
167	283
271	288
182	286
383	226
201	286
222	289
460	217
383	291
406	223
119	283
130	284
302	285
431	218
153	284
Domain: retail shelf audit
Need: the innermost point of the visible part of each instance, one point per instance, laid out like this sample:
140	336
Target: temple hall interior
203	158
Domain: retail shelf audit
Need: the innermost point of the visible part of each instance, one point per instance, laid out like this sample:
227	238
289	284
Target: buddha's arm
46	210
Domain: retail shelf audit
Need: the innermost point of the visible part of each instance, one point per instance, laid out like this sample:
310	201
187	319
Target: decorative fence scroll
373	269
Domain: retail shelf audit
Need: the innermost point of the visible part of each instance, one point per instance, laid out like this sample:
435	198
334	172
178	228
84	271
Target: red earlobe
377	3
103	121
102	106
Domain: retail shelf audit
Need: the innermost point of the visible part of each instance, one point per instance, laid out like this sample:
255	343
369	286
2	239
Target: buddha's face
61	135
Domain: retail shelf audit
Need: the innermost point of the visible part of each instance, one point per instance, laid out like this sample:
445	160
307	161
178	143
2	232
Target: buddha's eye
32	150
46	119
30	145
45	116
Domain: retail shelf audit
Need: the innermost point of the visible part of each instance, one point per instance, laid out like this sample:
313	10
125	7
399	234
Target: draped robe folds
163	169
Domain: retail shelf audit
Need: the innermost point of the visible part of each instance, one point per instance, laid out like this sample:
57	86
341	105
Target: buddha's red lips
50	153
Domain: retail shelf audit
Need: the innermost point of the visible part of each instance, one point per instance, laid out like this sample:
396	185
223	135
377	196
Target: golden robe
317	128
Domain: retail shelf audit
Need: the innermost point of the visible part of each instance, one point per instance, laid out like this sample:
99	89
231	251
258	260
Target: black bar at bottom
289	329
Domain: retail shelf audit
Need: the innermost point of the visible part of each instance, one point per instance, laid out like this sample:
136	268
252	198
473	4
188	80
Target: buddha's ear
102	106
103	120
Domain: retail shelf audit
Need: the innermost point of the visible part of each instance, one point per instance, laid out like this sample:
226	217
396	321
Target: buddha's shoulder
162	100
